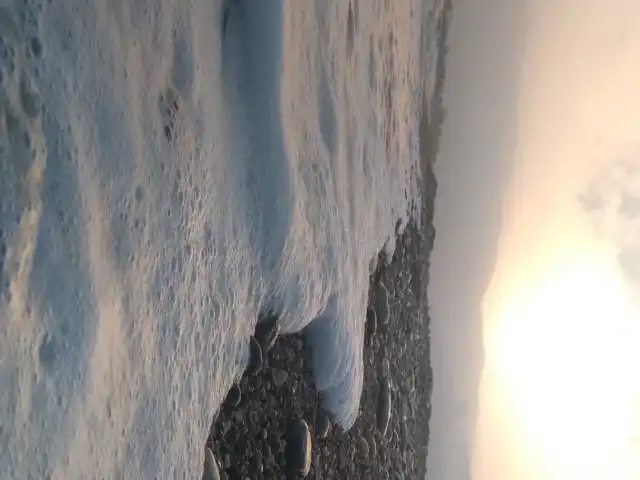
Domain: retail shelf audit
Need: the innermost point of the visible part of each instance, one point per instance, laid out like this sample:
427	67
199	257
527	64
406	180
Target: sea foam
164	181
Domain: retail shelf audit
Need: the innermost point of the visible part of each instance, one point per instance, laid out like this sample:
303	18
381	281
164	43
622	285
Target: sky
535	280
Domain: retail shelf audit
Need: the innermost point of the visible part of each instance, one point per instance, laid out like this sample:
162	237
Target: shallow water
163	181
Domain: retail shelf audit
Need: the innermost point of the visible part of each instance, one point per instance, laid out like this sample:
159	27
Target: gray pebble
255	358
382	304
211	470
298	449
373	447
233	396
323	424
371	325
280	377
267	331
383	409
363	446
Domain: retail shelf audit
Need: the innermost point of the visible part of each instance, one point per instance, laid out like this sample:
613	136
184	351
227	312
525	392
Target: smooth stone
211	470
255	358
412	410
373	447
271	460
382	304
402	410
298	448
371	325
342	459
234	396
277	445
253	417
279	377
363	446
255	467
383	409
403	432
323	424
371	358
384	366
317	465
226	426
262	390
267	331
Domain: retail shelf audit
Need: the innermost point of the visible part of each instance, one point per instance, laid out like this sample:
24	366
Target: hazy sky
557	224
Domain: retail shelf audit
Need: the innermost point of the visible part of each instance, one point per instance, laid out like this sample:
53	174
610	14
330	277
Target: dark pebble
298	448
383	410
36	47
322	425
373	447
279	377
211	470
403	432
363	446
384	367
255	358
382	304
234	395
267	331
255	467
371	326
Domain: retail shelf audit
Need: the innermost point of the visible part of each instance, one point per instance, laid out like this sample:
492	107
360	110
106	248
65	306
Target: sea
171	170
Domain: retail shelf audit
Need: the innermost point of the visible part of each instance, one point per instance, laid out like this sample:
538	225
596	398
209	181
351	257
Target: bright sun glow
560	393
565	360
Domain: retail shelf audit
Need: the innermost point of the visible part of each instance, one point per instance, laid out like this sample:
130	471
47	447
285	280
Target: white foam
160	185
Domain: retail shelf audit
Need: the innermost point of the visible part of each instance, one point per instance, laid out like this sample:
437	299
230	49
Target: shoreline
248	434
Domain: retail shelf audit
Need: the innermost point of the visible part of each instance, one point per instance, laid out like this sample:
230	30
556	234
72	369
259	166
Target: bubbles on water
7	58
183	68
139	193
64	329
37	49
29	20
30	98
327	118
3	252
169	104
351	29
47	351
